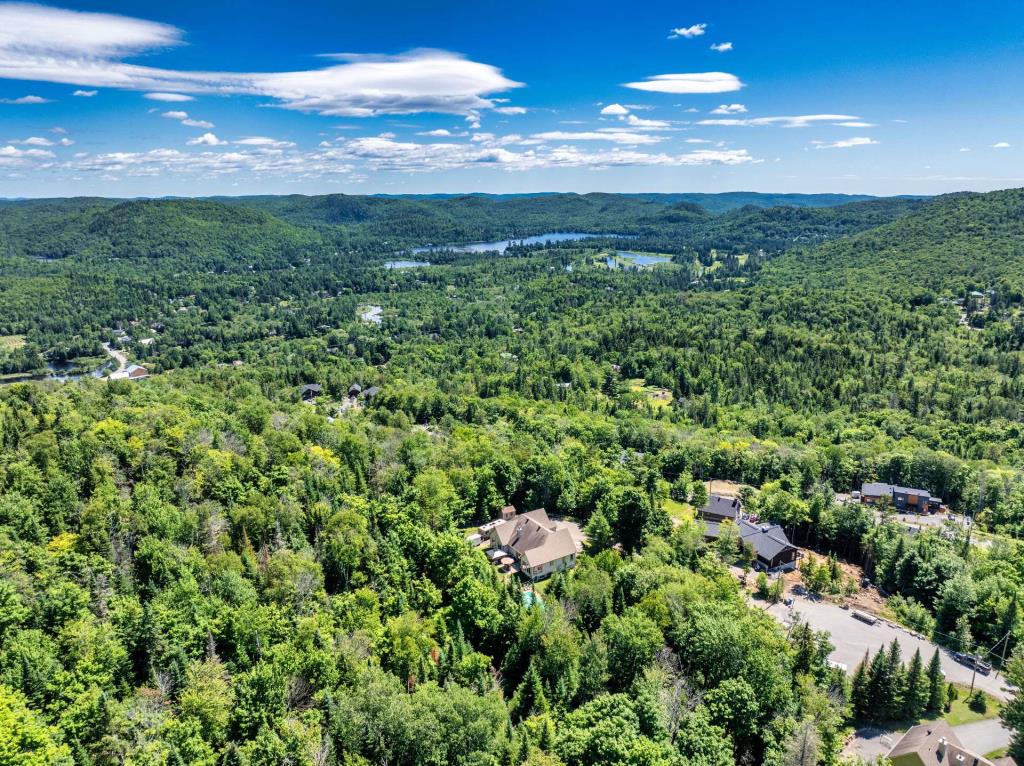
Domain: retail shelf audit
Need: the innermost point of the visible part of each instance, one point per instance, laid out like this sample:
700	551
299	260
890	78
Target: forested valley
240	560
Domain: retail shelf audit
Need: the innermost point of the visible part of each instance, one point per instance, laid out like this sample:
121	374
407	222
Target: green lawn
962	713
677	510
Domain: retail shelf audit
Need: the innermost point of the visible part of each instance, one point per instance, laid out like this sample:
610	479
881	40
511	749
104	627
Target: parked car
870	619
973	661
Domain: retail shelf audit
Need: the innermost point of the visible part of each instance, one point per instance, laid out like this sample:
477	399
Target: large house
772	550
904	499
539	545
719	508
131	372
934	743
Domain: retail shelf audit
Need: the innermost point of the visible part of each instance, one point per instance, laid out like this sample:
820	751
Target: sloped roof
555	545
719	505
921	744
877	488
768	540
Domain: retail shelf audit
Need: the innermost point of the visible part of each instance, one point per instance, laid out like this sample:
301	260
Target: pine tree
936	684
529	698
877	687
859	691
896	682
915	698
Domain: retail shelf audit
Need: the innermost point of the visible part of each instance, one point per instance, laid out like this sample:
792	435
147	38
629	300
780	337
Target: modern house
538	546
934	743
131	372
772	550
719	508
311	391
904	499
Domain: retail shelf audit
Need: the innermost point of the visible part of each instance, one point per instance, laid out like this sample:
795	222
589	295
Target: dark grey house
904	499
719	508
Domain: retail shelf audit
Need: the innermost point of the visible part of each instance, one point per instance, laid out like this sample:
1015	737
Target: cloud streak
696	82
43	44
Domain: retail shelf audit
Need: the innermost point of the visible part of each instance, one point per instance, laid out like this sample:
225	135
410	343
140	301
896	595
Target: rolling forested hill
200	568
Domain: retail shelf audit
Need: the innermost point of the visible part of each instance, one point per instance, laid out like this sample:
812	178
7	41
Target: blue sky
200	98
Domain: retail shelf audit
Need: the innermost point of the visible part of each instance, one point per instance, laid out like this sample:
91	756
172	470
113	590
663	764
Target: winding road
118	356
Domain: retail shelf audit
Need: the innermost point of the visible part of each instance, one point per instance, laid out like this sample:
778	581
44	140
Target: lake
405	264
503	245
62	372
635	260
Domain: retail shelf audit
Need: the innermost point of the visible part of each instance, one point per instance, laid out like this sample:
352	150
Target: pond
624	259
62	372
502	245
405	264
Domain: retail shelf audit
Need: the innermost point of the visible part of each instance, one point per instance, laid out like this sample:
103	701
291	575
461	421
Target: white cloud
85	93
729	109
37	141
697	82
175	115
965	148
439	133
12	157
846	143
798	121
697	141
184	119
1001	145
189	122
389	155
687	32
89	50
264	141
721	47
66	141
510	109
856	124
637	122
615	110
614	136
207	139
171	98
25	100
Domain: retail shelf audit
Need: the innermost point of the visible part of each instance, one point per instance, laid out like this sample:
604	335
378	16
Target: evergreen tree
915	697
936	684
529	698
860	689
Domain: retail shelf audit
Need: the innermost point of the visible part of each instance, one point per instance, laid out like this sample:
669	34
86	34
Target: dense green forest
200	568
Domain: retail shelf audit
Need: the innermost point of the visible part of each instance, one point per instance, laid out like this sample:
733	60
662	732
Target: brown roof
934	744
556	545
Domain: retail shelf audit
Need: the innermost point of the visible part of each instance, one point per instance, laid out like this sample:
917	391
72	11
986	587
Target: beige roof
934	744
535	538
556	545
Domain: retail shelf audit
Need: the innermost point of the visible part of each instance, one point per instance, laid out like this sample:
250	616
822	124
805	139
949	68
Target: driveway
980	737
852	638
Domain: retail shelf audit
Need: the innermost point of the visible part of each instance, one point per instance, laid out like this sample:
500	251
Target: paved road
852	638
983	736
120	358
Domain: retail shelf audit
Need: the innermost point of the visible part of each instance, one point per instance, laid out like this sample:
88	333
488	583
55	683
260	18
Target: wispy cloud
846	143
25	100
171	98
796	121
510	109
695	30
1001	145
615	110
85	93
721	47
264	141
88	49
729	109
638	122
614	136
184	119
697	82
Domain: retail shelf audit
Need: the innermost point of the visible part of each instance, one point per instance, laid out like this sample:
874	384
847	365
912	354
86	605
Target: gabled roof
768	540
722	506
535	538
312	388
934	743
555	545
